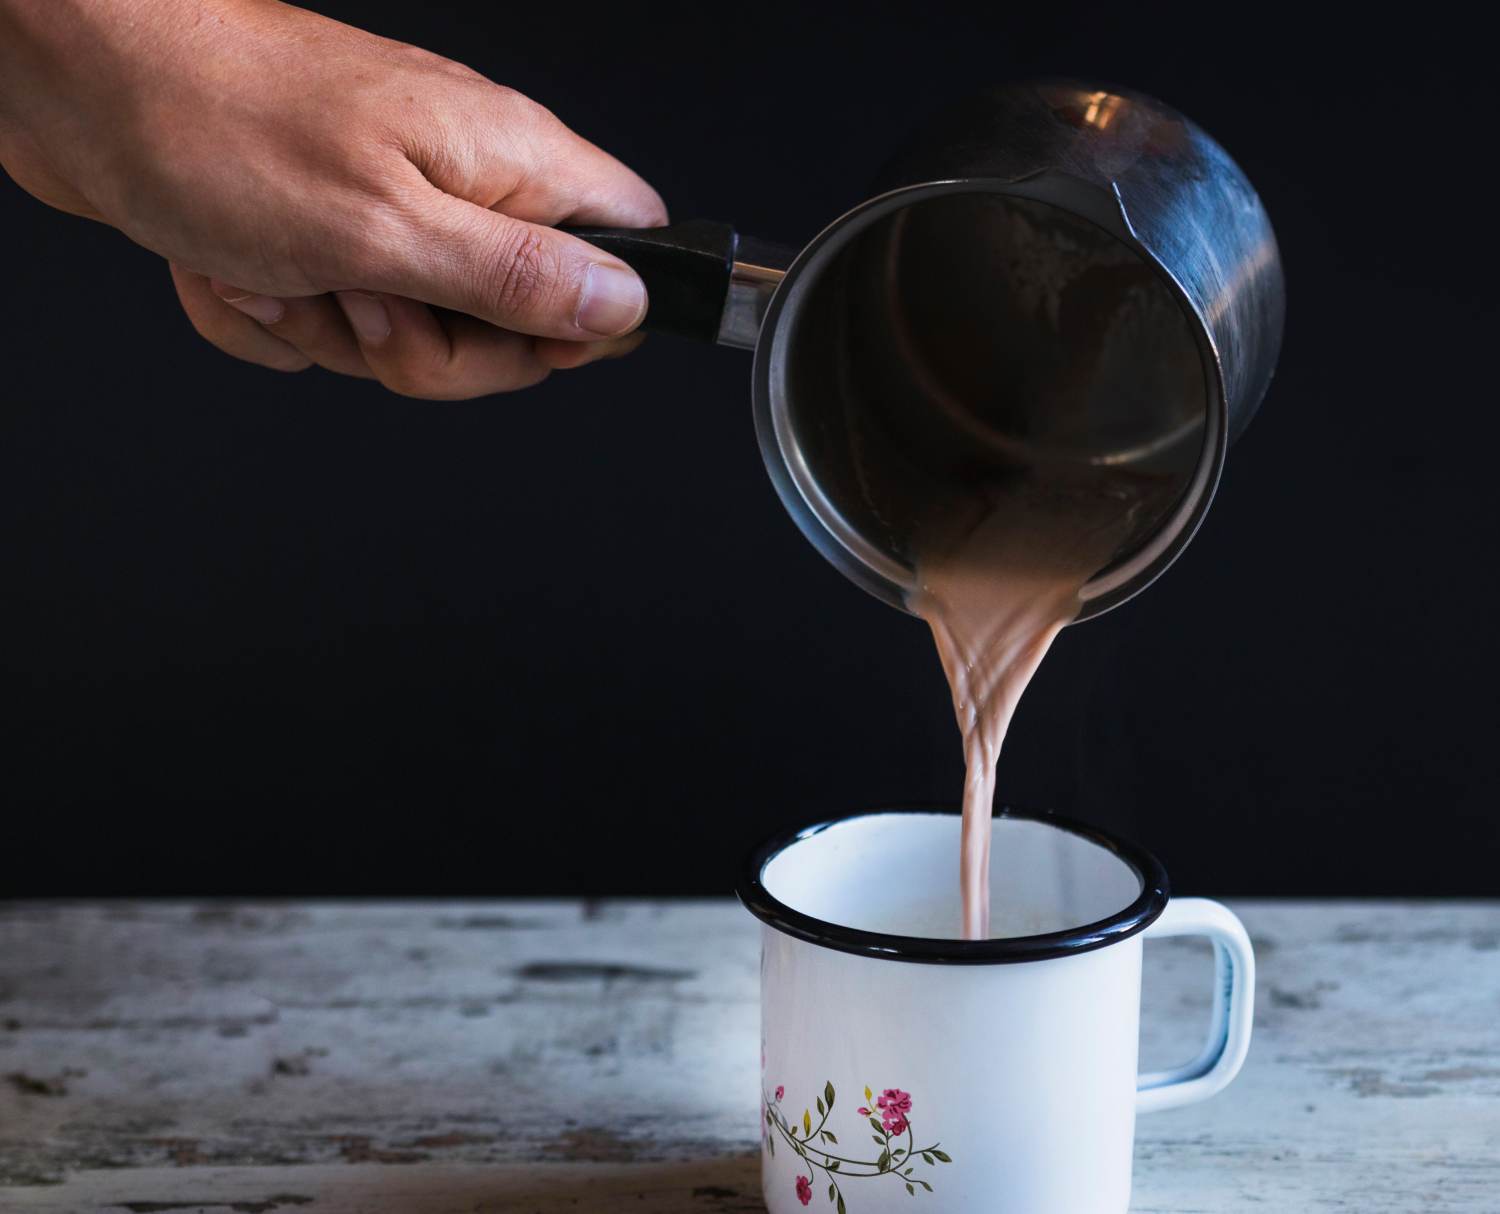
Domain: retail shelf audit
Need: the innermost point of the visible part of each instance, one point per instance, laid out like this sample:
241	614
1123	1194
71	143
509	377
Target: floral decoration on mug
888	1114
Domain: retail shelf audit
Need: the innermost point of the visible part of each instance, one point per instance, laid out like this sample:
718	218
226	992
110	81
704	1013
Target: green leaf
926	1156
941	1155
828	1094
898	1152
925	1185
820	1108
771	1142
878	1139
830	1192
910	1190
885	1158
908	1171
806	1121
879	1129
833	1166
841	1203
829	1134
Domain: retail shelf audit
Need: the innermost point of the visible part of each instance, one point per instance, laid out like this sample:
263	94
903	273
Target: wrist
44	44
74	51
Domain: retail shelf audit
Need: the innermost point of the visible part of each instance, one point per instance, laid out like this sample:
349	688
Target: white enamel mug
997	1075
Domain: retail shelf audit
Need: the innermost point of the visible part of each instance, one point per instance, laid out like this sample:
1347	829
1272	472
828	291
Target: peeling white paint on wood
549	1056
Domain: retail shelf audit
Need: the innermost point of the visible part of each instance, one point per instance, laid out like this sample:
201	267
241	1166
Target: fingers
404	344
480	209
466	226
232	331
566	355
512	273
413	351
312	324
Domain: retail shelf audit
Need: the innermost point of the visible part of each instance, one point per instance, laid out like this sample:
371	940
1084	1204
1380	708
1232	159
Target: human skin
323	195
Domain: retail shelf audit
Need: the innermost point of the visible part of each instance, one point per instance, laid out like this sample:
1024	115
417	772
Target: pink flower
864	1112
804	1189
780	1092
894	1105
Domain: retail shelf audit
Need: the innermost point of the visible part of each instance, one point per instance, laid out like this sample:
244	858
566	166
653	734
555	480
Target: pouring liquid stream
996	582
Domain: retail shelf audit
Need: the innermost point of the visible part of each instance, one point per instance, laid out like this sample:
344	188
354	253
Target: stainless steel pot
1053	276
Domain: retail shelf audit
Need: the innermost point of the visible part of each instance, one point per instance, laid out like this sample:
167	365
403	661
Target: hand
325	195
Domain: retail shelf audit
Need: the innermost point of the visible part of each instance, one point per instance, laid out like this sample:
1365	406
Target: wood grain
550	1056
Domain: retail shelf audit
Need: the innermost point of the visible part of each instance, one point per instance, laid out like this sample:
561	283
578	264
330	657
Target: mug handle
1234	1006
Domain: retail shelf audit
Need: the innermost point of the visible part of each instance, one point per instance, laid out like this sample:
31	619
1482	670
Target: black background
269	634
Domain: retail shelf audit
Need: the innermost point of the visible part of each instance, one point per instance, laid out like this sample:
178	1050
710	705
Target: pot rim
882	574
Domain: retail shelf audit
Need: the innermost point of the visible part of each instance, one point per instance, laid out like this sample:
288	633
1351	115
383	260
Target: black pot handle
685	266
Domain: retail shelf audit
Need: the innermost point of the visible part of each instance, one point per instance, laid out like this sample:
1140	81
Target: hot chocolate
996	584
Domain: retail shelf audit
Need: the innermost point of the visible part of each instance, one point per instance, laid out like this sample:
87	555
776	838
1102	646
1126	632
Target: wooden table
550	1056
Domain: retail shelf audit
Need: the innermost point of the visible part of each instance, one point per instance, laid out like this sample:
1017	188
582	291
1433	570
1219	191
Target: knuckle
452	379
362	246
420	388
226	341
512	378
510	120
524	272
462	71
209	325
424	62
313	329
656	215
518	107
529	380
423	378
404	381
350	243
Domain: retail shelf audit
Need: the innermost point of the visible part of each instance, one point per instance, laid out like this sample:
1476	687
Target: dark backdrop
266	634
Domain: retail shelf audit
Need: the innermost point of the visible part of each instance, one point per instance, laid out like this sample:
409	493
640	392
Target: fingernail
367	315
263	308
614	300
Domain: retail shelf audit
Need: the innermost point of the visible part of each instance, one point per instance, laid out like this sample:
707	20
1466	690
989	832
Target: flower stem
817	1150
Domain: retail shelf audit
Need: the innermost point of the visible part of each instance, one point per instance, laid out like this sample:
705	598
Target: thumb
521	276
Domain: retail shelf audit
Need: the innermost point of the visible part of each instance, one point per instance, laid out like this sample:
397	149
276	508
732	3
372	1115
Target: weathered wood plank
549	1055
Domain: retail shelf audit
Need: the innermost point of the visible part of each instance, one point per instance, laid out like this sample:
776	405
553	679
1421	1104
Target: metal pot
1053	276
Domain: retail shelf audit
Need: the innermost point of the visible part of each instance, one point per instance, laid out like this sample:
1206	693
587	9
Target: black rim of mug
1125	923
